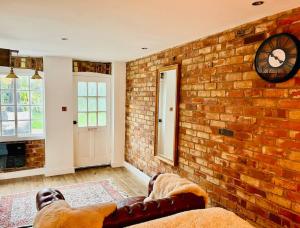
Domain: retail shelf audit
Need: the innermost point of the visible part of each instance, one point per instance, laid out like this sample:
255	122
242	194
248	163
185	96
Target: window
22	107
91	104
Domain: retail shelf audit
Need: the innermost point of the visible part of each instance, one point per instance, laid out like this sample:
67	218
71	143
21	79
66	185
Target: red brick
294	93
276	132
290	215
295	29
294	115
294	156
289	144
264	102
235	93
253	111
294	196
275	218
275	93
292	165
289	20
278	113
242	84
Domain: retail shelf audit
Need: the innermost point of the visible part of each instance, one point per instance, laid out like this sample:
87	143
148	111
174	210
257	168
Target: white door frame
110	112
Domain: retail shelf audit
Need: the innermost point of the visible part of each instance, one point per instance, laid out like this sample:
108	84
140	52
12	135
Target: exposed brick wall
27	62
35	154
255	173
87	66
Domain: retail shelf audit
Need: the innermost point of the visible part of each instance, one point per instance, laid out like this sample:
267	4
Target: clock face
277	59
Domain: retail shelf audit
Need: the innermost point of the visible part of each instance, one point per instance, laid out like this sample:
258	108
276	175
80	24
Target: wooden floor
123	179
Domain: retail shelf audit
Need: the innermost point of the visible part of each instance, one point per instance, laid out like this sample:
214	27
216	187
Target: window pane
8	113
92	119
102	119
82	89
7	83
82	104
92	89
7	97
102	89
23	83
23	98
8	128
23	127
36	98
82	119
23	113
36	84
37	113
37	127
102	104
92	104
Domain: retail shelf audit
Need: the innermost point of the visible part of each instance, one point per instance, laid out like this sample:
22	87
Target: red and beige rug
19	209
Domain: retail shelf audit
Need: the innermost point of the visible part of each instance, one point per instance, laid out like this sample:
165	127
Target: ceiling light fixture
36	73
144	48
258	3
11	74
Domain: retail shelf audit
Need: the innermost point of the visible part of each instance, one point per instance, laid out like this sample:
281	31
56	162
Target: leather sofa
133	210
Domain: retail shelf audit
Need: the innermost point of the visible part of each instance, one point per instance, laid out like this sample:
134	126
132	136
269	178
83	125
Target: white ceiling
118	29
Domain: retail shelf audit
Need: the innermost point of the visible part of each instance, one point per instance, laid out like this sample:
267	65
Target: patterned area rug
19	209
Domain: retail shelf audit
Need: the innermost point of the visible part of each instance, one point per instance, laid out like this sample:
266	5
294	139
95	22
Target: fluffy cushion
169	184
59	214
203	218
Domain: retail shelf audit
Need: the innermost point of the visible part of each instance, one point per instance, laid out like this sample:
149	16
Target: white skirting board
57	172
22	173
139	174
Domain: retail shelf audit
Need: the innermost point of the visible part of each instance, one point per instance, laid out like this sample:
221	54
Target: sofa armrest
142	212
46	196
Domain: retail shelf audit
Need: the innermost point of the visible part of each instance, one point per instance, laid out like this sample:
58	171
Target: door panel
92	132
100	146
83	154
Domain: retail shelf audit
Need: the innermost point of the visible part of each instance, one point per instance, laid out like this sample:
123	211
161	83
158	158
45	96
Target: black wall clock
277	59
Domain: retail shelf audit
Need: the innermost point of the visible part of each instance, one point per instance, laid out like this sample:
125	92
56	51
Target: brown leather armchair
133	210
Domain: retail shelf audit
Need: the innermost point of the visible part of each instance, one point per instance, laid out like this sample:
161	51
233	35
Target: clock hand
275	57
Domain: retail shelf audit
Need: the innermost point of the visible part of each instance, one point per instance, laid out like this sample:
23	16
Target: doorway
92	122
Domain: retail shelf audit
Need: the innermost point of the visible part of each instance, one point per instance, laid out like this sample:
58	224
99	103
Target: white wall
59	126
118	113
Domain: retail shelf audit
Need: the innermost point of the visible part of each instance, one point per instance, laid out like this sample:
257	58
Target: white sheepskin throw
169	184
59	214
202	218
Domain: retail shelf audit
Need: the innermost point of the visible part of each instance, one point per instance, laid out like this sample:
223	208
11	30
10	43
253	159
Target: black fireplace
12	155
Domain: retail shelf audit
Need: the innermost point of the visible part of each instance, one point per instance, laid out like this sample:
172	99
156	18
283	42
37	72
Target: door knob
74	122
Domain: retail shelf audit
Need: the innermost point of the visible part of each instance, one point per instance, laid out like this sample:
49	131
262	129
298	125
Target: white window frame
24	72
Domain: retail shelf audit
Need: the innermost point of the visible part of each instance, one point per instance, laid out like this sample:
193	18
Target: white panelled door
92	130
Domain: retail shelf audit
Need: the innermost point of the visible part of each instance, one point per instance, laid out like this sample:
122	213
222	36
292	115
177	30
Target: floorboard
123	179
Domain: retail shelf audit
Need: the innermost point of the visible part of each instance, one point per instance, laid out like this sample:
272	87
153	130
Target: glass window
22	107
91	104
